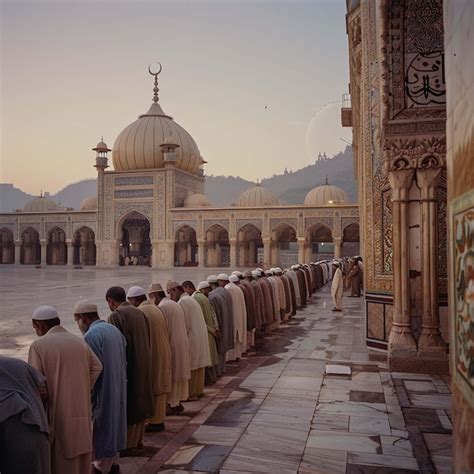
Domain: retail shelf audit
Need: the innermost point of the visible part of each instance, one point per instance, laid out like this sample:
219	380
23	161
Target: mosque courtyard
276	410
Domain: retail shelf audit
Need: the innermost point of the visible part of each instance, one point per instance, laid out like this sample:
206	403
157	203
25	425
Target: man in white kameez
180	363
199	353
240	316
71	370
337	286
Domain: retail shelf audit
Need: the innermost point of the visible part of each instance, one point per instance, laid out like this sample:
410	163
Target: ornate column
44	247
233	252
401	342
266	251
70	253
430	340
301	249
200	258
17	252
337	247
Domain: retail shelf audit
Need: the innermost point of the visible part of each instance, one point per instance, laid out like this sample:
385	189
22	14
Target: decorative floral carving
133	180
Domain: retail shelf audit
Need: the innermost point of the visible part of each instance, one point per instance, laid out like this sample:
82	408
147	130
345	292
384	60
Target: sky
257	83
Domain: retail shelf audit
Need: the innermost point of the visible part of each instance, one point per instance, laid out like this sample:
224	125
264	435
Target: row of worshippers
153	353
347	274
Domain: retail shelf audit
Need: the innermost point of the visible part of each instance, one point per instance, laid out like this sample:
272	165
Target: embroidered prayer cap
135	291
85	306
155	288
170	285
45	313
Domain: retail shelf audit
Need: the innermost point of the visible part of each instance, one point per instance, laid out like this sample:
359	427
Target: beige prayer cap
135	291
84	307
223	277
239	274
203	284
212	279
171	285
155	288
45	313
234	278
247	274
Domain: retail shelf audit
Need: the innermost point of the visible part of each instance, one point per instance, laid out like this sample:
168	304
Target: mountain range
290	187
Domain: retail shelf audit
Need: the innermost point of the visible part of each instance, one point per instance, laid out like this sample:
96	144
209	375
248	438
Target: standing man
355	277
133	324
210	318
160	355
71	370
199	353
179	342
240	317
109	397
337	286
24	445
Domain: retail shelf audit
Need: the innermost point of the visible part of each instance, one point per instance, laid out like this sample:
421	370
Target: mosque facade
151	210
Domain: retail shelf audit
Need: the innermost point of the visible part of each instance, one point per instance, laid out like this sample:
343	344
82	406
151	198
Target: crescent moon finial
155	89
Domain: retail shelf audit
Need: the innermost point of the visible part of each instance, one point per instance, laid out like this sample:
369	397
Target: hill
291	186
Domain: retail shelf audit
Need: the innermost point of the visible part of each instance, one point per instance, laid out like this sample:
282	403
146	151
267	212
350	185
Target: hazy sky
73	71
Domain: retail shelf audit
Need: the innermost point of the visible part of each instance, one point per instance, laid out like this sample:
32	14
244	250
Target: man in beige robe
337	287
199	353
179	342
160	355
240	318
71	370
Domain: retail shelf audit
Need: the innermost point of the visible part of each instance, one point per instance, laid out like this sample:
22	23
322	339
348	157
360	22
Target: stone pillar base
417	365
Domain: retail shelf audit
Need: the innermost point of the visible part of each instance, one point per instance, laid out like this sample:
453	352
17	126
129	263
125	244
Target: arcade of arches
135	241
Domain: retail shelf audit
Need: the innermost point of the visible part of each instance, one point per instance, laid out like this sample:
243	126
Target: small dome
89	204
257	196
326	195
41	204
101	146
197	200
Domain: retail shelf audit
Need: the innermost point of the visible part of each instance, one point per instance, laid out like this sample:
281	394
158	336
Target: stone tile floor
277	411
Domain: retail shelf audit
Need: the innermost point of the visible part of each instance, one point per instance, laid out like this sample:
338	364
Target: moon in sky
324	132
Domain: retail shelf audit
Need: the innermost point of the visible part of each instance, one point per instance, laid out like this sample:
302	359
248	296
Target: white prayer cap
203	284
45	313
278	270
212	279
260	269
234	278
135	291
223	276
239	274
256	273
268	273
247	273
84	307
294	267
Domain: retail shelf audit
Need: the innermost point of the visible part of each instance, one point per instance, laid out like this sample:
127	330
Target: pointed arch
134	239
7	246
249	245
83	243
185	247
217	247
56	249
30	247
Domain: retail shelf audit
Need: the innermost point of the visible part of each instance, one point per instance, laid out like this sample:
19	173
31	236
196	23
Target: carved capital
428	180
400	182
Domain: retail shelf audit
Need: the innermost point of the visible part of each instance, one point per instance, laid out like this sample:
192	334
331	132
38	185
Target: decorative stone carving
255	222
221	222
327	221
133	180
133	193
275	222
178	224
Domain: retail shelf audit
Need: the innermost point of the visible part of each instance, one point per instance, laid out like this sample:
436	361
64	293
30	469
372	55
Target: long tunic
355	277
179	342
276	298
337	288
259	304
267	301
212	326
134	325
302	285
296	286
226	325
71	370
109	397
250	304
160	348
240	320
199	353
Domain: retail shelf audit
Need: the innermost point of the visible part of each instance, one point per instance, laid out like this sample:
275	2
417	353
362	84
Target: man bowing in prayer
71	370
134	325
109	397
160	355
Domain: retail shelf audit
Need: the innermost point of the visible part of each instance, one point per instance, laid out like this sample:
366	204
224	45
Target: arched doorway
284	246
135	240
56	250
7	246
217	251
350	239
84	247
249	246
30	250
185	247
321	246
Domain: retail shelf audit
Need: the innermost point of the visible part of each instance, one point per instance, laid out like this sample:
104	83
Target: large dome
41	204
257	196
326	195
138	145
197	200
89	204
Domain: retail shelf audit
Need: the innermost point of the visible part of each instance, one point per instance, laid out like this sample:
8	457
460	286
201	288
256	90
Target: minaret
101	163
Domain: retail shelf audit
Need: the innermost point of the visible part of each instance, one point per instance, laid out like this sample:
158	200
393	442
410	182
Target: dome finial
327	182
155	89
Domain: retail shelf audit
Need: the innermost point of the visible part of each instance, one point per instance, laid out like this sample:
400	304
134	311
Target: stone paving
275	411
